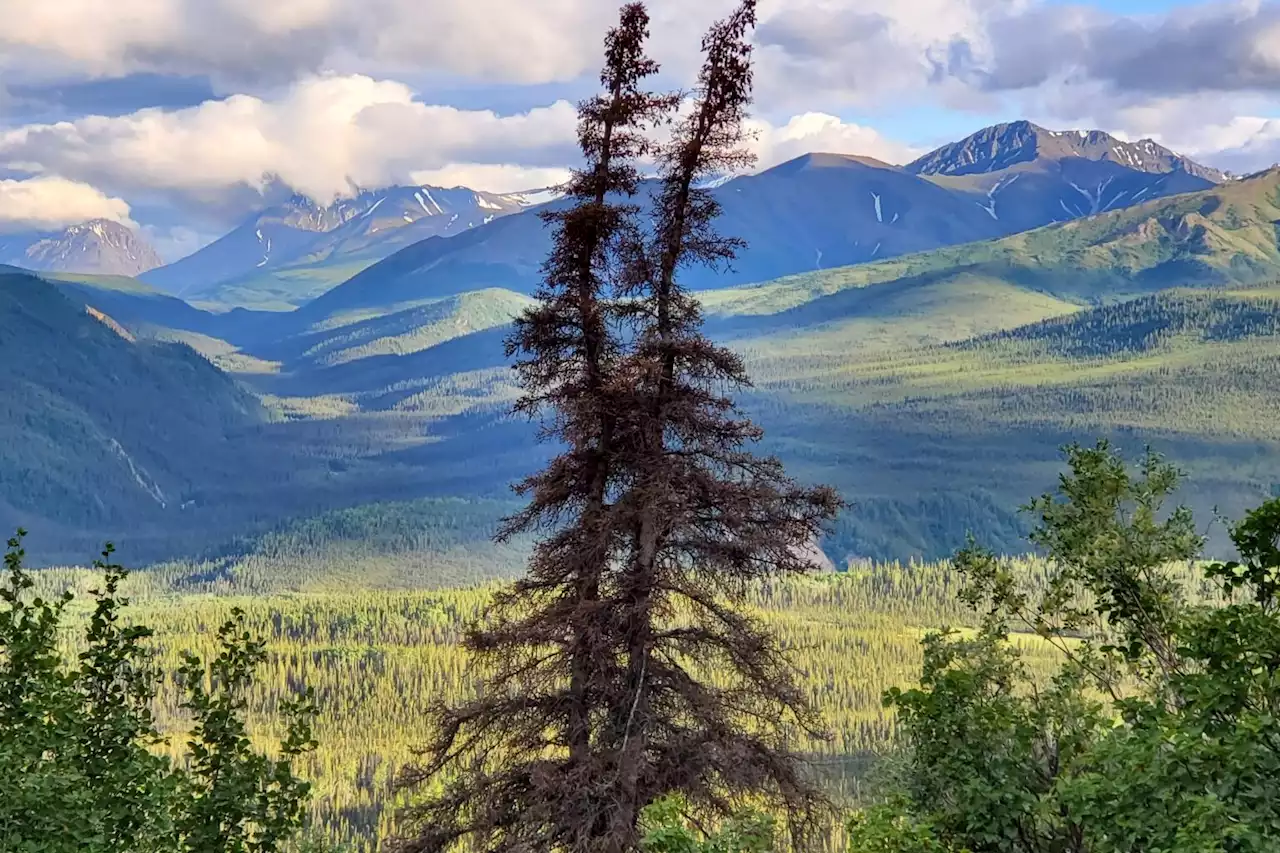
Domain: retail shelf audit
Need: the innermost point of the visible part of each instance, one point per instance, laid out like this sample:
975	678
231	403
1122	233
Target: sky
181	117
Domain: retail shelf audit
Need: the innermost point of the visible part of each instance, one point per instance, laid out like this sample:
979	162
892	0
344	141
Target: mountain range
908	327
818	211
828	210
289	253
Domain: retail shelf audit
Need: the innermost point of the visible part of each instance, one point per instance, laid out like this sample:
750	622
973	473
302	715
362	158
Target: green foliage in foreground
1160	731
667	831
78	738
376	657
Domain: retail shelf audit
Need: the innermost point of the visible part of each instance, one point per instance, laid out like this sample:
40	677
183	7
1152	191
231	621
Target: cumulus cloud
254	41
1229	133
820	48
51	203
1060	59
814	54
1220	47
835	54
811	132
842	53
326	136
323	137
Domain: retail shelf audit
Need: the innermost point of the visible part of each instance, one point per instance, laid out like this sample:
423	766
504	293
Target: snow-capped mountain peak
99	246
364	228
1003	146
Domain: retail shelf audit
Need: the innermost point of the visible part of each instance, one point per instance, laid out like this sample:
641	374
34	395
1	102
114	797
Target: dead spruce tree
706	516
619	671
522	767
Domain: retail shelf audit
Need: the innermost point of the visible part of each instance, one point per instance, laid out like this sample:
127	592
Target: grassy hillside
399	330
1211	238
283	289
935	438
894	315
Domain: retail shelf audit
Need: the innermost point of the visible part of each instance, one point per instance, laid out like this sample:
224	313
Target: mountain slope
403	332
823	210
100	247
1221	236
99	428
143	309
816	211
1025	176
294	251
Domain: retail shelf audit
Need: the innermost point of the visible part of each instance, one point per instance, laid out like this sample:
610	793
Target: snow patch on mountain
1094	197
714	183
532	198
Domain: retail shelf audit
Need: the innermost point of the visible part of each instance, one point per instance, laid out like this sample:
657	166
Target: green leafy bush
1161	729
77	737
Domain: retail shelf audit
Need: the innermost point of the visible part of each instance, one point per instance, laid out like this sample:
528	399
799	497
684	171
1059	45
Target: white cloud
1239	143
523	41
812	132
51	203
325	135
321	137
813	54
828	54
1061	61
1207	47
811	49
